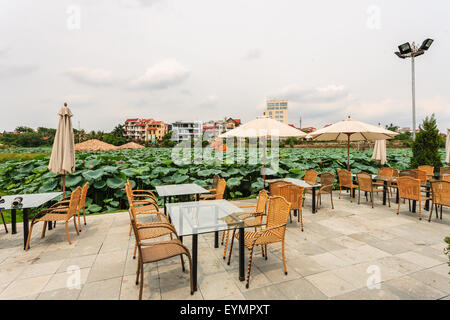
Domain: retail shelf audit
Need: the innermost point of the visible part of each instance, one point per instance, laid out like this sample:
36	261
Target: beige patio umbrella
352	130
379	150
62	159
264	127
447	147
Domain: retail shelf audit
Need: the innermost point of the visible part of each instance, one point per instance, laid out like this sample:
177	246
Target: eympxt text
227	309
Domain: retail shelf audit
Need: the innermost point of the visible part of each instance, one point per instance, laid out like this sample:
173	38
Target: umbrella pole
348	152
64	185
264	167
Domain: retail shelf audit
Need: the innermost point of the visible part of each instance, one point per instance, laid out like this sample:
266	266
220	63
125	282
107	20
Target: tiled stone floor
332	259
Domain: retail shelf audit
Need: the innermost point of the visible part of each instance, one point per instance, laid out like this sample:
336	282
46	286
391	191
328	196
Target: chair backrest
420	174
408	188
445	170
345	178
278	211
395	173
364	181
293	194
220	189
83	196
407	173
215	181
262	201
74	202
327	181
311	176
428	169
441	192
445	177
386	172
274	187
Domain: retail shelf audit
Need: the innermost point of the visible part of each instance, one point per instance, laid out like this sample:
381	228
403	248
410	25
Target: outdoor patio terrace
329	260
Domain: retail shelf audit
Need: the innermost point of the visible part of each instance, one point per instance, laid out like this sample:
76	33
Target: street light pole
413	75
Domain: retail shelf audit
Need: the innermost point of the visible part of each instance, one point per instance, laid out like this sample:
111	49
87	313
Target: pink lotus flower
405	154
90	167
120	161
83	161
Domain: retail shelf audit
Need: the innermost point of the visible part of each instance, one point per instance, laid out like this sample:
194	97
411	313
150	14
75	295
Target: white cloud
162	75
93	77
210	102
297	93
253	54
16	70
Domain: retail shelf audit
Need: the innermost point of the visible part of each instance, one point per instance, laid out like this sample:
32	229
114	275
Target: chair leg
67	232
75	224
131	229
27	246
284	258
371	198
226	243
4	223
223	236
135	249
431	211
300	213
420	210
249	267
340	189
182	263
137	272
231	246
84	216
191	278
331	196
398	209
44	228
359	196
142	282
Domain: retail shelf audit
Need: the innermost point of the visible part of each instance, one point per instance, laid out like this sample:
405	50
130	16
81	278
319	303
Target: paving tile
40	269
150	291
69	280
270	292
108	265
25	287
433	279
108	289
419	259
408	288
300	289
330	284
60	294
80	262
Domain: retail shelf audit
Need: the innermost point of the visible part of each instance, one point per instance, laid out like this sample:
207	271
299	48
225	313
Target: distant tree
392	127
22	129
113	139
167	141
119	130
426	146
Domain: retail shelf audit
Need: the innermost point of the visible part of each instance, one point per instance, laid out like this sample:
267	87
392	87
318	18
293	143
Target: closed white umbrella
264	127
379	151
352	130
447	147
62	160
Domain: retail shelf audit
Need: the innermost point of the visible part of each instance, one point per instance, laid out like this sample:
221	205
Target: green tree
392	127
425	147
22	129
167	141
119	130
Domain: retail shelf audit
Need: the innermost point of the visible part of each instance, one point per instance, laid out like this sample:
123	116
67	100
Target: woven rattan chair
150	233
346	181
274	187
277	216
3	219
384	172
311	176
251	219
410	188
61	213
441	196
157	251
294	195
327	182
365	184
219	192
212	187
429	170
445	170
446	177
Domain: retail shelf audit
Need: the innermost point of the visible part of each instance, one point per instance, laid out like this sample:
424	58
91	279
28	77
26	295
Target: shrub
426	146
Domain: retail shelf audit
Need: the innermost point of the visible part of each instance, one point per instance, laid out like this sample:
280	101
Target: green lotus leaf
72	181
115	183
92	175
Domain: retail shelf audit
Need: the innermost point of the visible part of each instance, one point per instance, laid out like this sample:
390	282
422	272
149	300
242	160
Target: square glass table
29	201
304	184
199	217
176	190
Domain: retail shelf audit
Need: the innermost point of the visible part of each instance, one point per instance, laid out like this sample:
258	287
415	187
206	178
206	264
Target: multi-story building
145	129
213	128
277	109
186	130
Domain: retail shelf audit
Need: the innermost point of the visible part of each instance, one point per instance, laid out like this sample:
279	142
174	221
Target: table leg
165	210
194	259
197	197
50	225
414	206
13	221
396	196
216	239
427	202
314	200
384	192
241	255
25	226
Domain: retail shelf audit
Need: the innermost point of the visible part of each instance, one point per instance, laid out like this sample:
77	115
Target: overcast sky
208	59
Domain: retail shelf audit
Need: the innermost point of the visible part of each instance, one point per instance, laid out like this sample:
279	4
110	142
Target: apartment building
278	110
148	130
214	128
186	130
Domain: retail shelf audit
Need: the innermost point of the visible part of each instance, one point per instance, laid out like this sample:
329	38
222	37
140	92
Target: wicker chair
365	184
274	187
58	213
219	192
294	195
445	170
410	188
384	172
446	177
251	219
212	187
311	176
274	231
327	182
157	251
346	181
4	223
441	196
429	170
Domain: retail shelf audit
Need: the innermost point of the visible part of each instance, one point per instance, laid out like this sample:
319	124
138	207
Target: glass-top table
304	184
176	190
199	217
29	201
